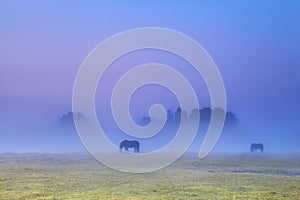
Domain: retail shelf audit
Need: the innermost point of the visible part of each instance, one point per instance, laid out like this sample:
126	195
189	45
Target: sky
255	44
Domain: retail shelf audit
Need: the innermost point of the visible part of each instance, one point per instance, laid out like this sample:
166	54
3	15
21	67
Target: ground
219	176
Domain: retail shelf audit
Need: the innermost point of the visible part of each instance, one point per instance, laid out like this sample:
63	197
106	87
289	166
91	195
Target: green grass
46	176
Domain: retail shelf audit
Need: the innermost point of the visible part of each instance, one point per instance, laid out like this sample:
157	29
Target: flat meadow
218	176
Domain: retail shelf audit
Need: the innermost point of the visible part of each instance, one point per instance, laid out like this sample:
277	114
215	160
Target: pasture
219	176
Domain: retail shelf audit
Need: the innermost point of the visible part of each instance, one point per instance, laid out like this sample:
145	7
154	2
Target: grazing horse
257	147
130	144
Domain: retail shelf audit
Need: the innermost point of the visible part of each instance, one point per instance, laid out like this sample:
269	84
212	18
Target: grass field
219	176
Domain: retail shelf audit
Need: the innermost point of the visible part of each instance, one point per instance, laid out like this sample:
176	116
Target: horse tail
252	147
138	147
121	146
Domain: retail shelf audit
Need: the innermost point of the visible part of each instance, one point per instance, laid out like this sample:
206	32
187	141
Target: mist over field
101	99
61	136
254	44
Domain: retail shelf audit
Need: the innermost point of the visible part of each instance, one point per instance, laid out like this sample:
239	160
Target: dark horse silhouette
130	144
257	147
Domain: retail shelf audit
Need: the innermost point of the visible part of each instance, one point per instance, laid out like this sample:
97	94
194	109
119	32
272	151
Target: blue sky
255	44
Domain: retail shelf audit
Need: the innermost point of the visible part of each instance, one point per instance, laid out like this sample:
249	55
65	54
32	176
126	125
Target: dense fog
256	49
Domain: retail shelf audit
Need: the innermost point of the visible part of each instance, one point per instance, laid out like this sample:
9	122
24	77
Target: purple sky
255	44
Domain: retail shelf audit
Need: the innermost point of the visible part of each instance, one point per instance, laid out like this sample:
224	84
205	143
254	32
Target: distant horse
130	144
257	147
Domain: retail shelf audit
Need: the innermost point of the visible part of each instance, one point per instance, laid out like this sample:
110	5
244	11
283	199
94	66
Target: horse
257	147
130	144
